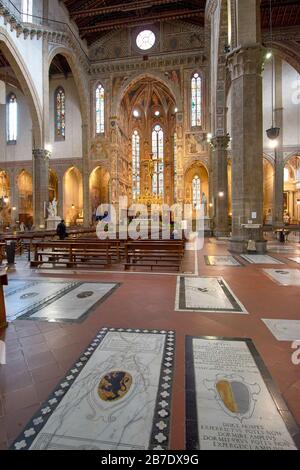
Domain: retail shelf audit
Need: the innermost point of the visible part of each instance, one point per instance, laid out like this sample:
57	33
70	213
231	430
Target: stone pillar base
240	246
52	222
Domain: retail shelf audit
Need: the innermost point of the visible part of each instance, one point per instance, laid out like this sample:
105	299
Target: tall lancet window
12	118
60	114
100	109
196	193
27	11
158	160
196	100
136	177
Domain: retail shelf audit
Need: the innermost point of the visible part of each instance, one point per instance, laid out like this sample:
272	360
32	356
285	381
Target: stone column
245	65
278	153
87	210
40	185
60	197
179	158
220	184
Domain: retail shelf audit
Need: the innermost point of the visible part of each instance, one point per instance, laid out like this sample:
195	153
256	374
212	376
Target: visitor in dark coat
62	230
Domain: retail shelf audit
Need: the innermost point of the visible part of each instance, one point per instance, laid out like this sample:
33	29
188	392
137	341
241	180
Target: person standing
61	230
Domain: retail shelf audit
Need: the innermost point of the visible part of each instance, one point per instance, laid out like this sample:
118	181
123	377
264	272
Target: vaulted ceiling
285	13
95	18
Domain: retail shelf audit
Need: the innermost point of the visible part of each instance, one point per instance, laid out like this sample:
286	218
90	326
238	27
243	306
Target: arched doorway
99	189
291	201
196	187
25	198
5	203
268	188
73	197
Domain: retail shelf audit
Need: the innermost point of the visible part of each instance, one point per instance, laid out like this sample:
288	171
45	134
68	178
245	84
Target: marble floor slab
261	259
232	403
116	397
221	261
296	259
285	277
53	300
284	249
284	330
206	294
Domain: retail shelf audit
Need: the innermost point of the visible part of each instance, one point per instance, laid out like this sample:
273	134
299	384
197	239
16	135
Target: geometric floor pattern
54	300
261	259
284	330
221	261
284	277
231	401
116	397
206	294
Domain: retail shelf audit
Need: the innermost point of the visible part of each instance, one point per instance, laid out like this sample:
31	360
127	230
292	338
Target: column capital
41	153
246	61
220	142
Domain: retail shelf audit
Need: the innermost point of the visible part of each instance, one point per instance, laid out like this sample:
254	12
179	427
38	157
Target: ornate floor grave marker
55	300
116	397
231	401
296	259
206	294
284	330
261	259
285	277
220	260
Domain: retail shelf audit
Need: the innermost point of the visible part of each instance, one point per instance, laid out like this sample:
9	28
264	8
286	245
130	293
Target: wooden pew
166	254
71	253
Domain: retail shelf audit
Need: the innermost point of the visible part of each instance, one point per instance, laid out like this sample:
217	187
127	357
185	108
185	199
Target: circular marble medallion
29	295
114	386
85	295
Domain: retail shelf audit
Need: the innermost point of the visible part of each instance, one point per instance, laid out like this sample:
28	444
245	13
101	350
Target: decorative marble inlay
114	386
261	259
285	277
54	299
228	404
85	295
30	295
284	330
221	261
296	260
117	396
206	294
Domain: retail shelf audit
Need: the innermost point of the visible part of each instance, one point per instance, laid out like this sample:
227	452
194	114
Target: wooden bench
71	253
166	254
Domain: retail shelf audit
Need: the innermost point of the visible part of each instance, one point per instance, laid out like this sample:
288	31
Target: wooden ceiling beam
125	23
121	7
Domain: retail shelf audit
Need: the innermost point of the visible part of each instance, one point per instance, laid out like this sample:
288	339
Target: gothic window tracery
196	100
100	109
196	192
136	179
60	114
12	118
158	160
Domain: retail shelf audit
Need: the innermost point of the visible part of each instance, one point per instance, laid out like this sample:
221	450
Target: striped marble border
159	438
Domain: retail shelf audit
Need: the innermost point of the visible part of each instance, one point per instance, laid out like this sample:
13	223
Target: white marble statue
52	208
204	203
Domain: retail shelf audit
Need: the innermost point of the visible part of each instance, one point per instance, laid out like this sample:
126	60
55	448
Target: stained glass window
12	118
158	160
99	109
136	177
175	166
196	193
196	103
27	11
60	113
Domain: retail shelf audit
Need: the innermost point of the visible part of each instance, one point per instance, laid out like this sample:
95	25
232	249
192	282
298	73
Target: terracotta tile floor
39	353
